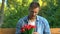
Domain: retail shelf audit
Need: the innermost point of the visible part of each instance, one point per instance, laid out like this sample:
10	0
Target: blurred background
12	10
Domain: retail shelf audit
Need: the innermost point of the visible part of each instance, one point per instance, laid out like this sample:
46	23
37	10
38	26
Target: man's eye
32	11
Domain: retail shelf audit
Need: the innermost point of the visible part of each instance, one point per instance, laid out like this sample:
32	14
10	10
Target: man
34	19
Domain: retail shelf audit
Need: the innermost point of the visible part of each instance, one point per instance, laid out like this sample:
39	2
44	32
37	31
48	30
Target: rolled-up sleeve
18	27
46	27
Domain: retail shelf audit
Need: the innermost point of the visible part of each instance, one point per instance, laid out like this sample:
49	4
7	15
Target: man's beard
33	17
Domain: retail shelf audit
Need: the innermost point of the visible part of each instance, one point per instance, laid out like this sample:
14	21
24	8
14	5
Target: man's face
34	12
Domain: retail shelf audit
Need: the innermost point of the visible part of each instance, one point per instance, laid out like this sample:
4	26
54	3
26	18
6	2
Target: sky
1	1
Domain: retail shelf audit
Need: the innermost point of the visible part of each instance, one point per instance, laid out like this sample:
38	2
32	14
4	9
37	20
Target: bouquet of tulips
27	29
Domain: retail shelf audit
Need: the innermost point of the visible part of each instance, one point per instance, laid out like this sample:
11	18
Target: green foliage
18	9
13	12
52	13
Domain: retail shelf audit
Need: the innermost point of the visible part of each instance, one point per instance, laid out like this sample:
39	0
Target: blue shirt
41	23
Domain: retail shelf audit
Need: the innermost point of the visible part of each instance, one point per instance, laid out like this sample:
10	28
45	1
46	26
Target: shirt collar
37	17
26	18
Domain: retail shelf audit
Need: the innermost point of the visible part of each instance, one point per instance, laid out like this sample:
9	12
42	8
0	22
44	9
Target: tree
16	9
2	13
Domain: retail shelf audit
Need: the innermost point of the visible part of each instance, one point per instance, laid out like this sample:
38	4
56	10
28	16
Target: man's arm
46	27
18	27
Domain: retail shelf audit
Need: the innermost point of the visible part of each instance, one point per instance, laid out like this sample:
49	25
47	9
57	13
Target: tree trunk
2	13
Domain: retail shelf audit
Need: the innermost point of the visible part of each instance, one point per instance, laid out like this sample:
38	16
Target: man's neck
32	19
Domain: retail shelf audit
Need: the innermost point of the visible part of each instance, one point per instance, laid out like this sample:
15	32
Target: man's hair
34	5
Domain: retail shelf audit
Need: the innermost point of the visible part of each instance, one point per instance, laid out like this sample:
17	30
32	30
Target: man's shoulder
23	18
44	20
41	18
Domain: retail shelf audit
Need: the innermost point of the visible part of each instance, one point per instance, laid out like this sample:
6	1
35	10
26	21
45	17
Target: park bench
12	30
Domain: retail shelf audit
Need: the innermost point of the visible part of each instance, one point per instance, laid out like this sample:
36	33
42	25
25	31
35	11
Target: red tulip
22	30
27	27
33	27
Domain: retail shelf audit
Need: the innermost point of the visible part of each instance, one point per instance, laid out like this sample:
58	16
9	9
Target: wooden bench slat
12	30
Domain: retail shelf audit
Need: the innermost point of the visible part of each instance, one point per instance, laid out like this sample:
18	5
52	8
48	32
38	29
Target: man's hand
35	33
